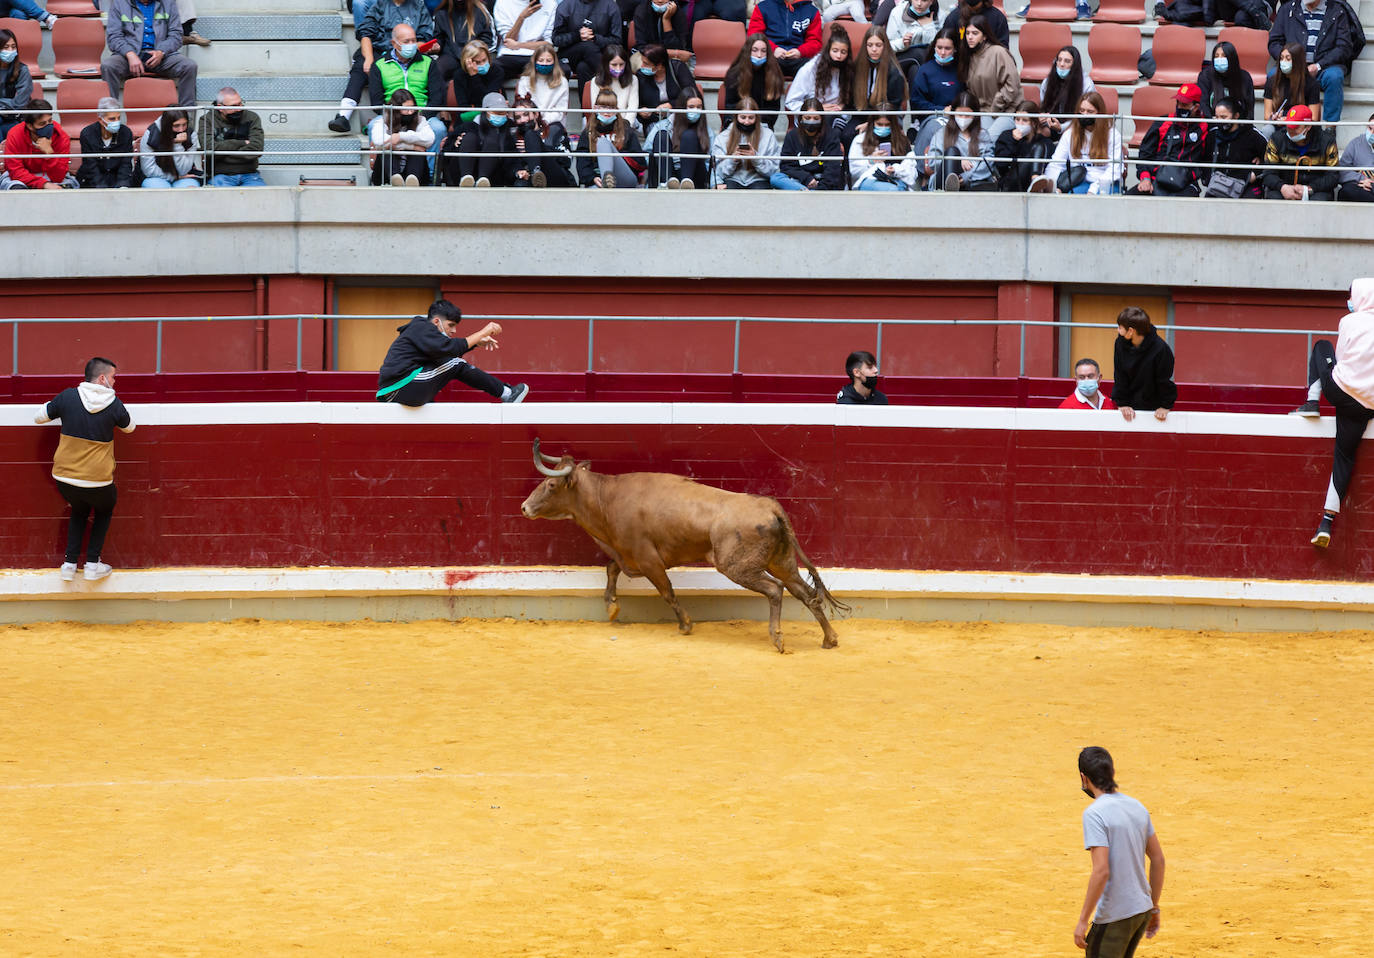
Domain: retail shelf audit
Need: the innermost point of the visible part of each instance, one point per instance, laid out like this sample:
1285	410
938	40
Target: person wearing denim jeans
27	10
233	140
1329	30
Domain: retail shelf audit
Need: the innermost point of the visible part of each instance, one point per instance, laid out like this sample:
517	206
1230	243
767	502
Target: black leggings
664	163
84	501
1351	419
404	162
423	388
475	157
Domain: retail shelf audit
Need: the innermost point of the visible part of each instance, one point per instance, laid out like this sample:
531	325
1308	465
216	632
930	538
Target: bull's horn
554	473
543	455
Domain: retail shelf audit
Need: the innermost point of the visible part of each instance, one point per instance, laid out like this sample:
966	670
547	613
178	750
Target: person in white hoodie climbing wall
84	463
1345	375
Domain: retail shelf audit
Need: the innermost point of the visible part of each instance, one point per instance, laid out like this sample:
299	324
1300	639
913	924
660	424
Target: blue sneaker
1085	12
1024	11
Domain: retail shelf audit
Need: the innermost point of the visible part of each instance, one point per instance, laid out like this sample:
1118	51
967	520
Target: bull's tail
836	606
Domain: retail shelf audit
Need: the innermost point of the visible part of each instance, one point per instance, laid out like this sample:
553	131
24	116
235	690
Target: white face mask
1023	128
963	121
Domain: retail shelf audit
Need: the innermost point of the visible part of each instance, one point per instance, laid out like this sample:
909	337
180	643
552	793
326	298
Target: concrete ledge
566	593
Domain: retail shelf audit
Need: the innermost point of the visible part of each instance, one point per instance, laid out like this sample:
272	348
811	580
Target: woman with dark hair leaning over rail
1144	375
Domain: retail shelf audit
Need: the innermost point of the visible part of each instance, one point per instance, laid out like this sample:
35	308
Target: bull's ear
585	465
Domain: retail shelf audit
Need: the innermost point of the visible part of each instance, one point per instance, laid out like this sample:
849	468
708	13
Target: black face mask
871	382
233	118
1087	122
1088	792
42	132
745	128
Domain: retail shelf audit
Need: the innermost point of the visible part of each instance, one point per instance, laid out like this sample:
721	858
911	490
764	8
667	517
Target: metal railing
736	323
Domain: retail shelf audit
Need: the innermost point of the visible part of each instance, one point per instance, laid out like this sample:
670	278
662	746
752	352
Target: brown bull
650	522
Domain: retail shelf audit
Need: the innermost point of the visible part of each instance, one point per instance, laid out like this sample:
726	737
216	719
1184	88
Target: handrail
736	323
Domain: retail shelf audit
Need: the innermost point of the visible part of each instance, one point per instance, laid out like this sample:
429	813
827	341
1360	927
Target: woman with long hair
829	77
456	24
16	83
880	158
1223	78
989	72
1063	87
477	75
678	145
911	29
661	80
745	153
609	152
1020	154
544	83
1290	85
959	156
1092	144
757	75
614	74
482	153
812	156
400	143
877	77
168	151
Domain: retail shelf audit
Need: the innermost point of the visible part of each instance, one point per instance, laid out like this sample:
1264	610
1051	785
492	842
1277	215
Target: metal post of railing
591	348
158	358
14	346
300	322
878	346
1023	346
735	364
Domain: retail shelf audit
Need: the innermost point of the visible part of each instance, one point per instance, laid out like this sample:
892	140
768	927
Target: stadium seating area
289	59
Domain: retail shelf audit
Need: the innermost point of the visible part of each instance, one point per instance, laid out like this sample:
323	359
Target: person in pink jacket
1345	375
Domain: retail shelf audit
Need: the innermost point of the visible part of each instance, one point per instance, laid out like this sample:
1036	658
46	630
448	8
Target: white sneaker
97	570
48	21
68	571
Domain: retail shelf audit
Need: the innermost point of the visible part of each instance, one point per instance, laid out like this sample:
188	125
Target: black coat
823	160
1144	375
452	30
997	21
1015	177
732	95
1239	151
468	91
1340	40
1213	89
572	16
676	76
100	171
1172	139
649	27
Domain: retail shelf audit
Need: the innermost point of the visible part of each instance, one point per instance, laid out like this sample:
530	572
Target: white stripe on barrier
706	414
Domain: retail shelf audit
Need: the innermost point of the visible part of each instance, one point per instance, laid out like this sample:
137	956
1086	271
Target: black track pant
1351	419
424	387
84	502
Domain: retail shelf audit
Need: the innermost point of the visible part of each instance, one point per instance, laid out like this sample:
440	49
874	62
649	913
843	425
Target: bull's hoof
685	628
830	643
612	611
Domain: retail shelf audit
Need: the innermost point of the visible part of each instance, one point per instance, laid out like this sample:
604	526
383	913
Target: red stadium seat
1114	49
1030	91
1037	44
145	98
76	103
1252	49
1120	11
716	43
1149	103
1052	10
1109	97
77	46
72	8
1179	52
29	35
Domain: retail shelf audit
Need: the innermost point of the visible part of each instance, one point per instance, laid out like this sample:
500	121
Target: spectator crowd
604	96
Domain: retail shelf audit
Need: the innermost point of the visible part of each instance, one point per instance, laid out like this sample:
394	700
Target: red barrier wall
395	494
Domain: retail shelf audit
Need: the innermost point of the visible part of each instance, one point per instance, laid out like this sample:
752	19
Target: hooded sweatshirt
90	413
1354	370
420	345
1144	374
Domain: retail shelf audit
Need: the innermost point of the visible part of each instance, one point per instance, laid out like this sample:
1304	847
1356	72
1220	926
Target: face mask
658	9
1350	305
408	113
617	71
882	132
233	117
496	119
43	132
543	69
408	50
870	382
873	59
646	71
758	61
814	126
1369	138
944	61
1087	122
1088	387
1062	72
606	119
745	128
693	116
113	126
1023	128
7	56
1298	137
1221	64
483	69
1286	66
963	122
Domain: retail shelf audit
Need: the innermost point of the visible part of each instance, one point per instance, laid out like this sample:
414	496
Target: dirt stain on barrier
494	788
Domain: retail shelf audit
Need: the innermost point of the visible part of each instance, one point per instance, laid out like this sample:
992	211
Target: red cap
1189	93
1299	114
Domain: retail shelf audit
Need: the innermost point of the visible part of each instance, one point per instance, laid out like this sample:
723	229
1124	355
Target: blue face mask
113	126
484	69
498	119
606	118
1062	73
7	56
882	132
1088	387
408	50
944	61
1286	66
1350	305
646	71
544	69
758	61
1369	138
693	116
1221	64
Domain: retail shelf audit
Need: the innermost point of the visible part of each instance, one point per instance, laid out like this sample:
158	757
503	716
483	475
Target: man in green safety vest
404	67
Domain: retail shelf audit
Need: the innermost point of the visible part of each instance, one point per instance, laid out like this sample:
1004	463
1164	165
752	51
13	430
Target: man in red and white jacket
1087	395
36	153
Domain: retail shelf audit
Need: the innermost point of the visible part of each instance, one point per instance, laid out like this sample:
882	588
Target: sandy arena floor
491	788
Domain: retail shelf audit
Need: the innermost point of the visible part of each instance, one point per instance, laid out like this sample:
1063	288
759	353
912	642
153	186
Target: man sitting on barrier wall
1345	375
1087	394
862	389
428	355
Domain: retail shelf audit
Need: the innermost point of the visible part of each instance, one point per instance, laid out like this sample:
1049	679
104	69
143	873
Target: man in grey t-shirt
1118	834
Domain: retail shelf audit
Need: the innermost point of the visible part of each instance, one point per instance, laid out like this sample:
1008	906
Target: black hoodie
419	345
1144	374
849	396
